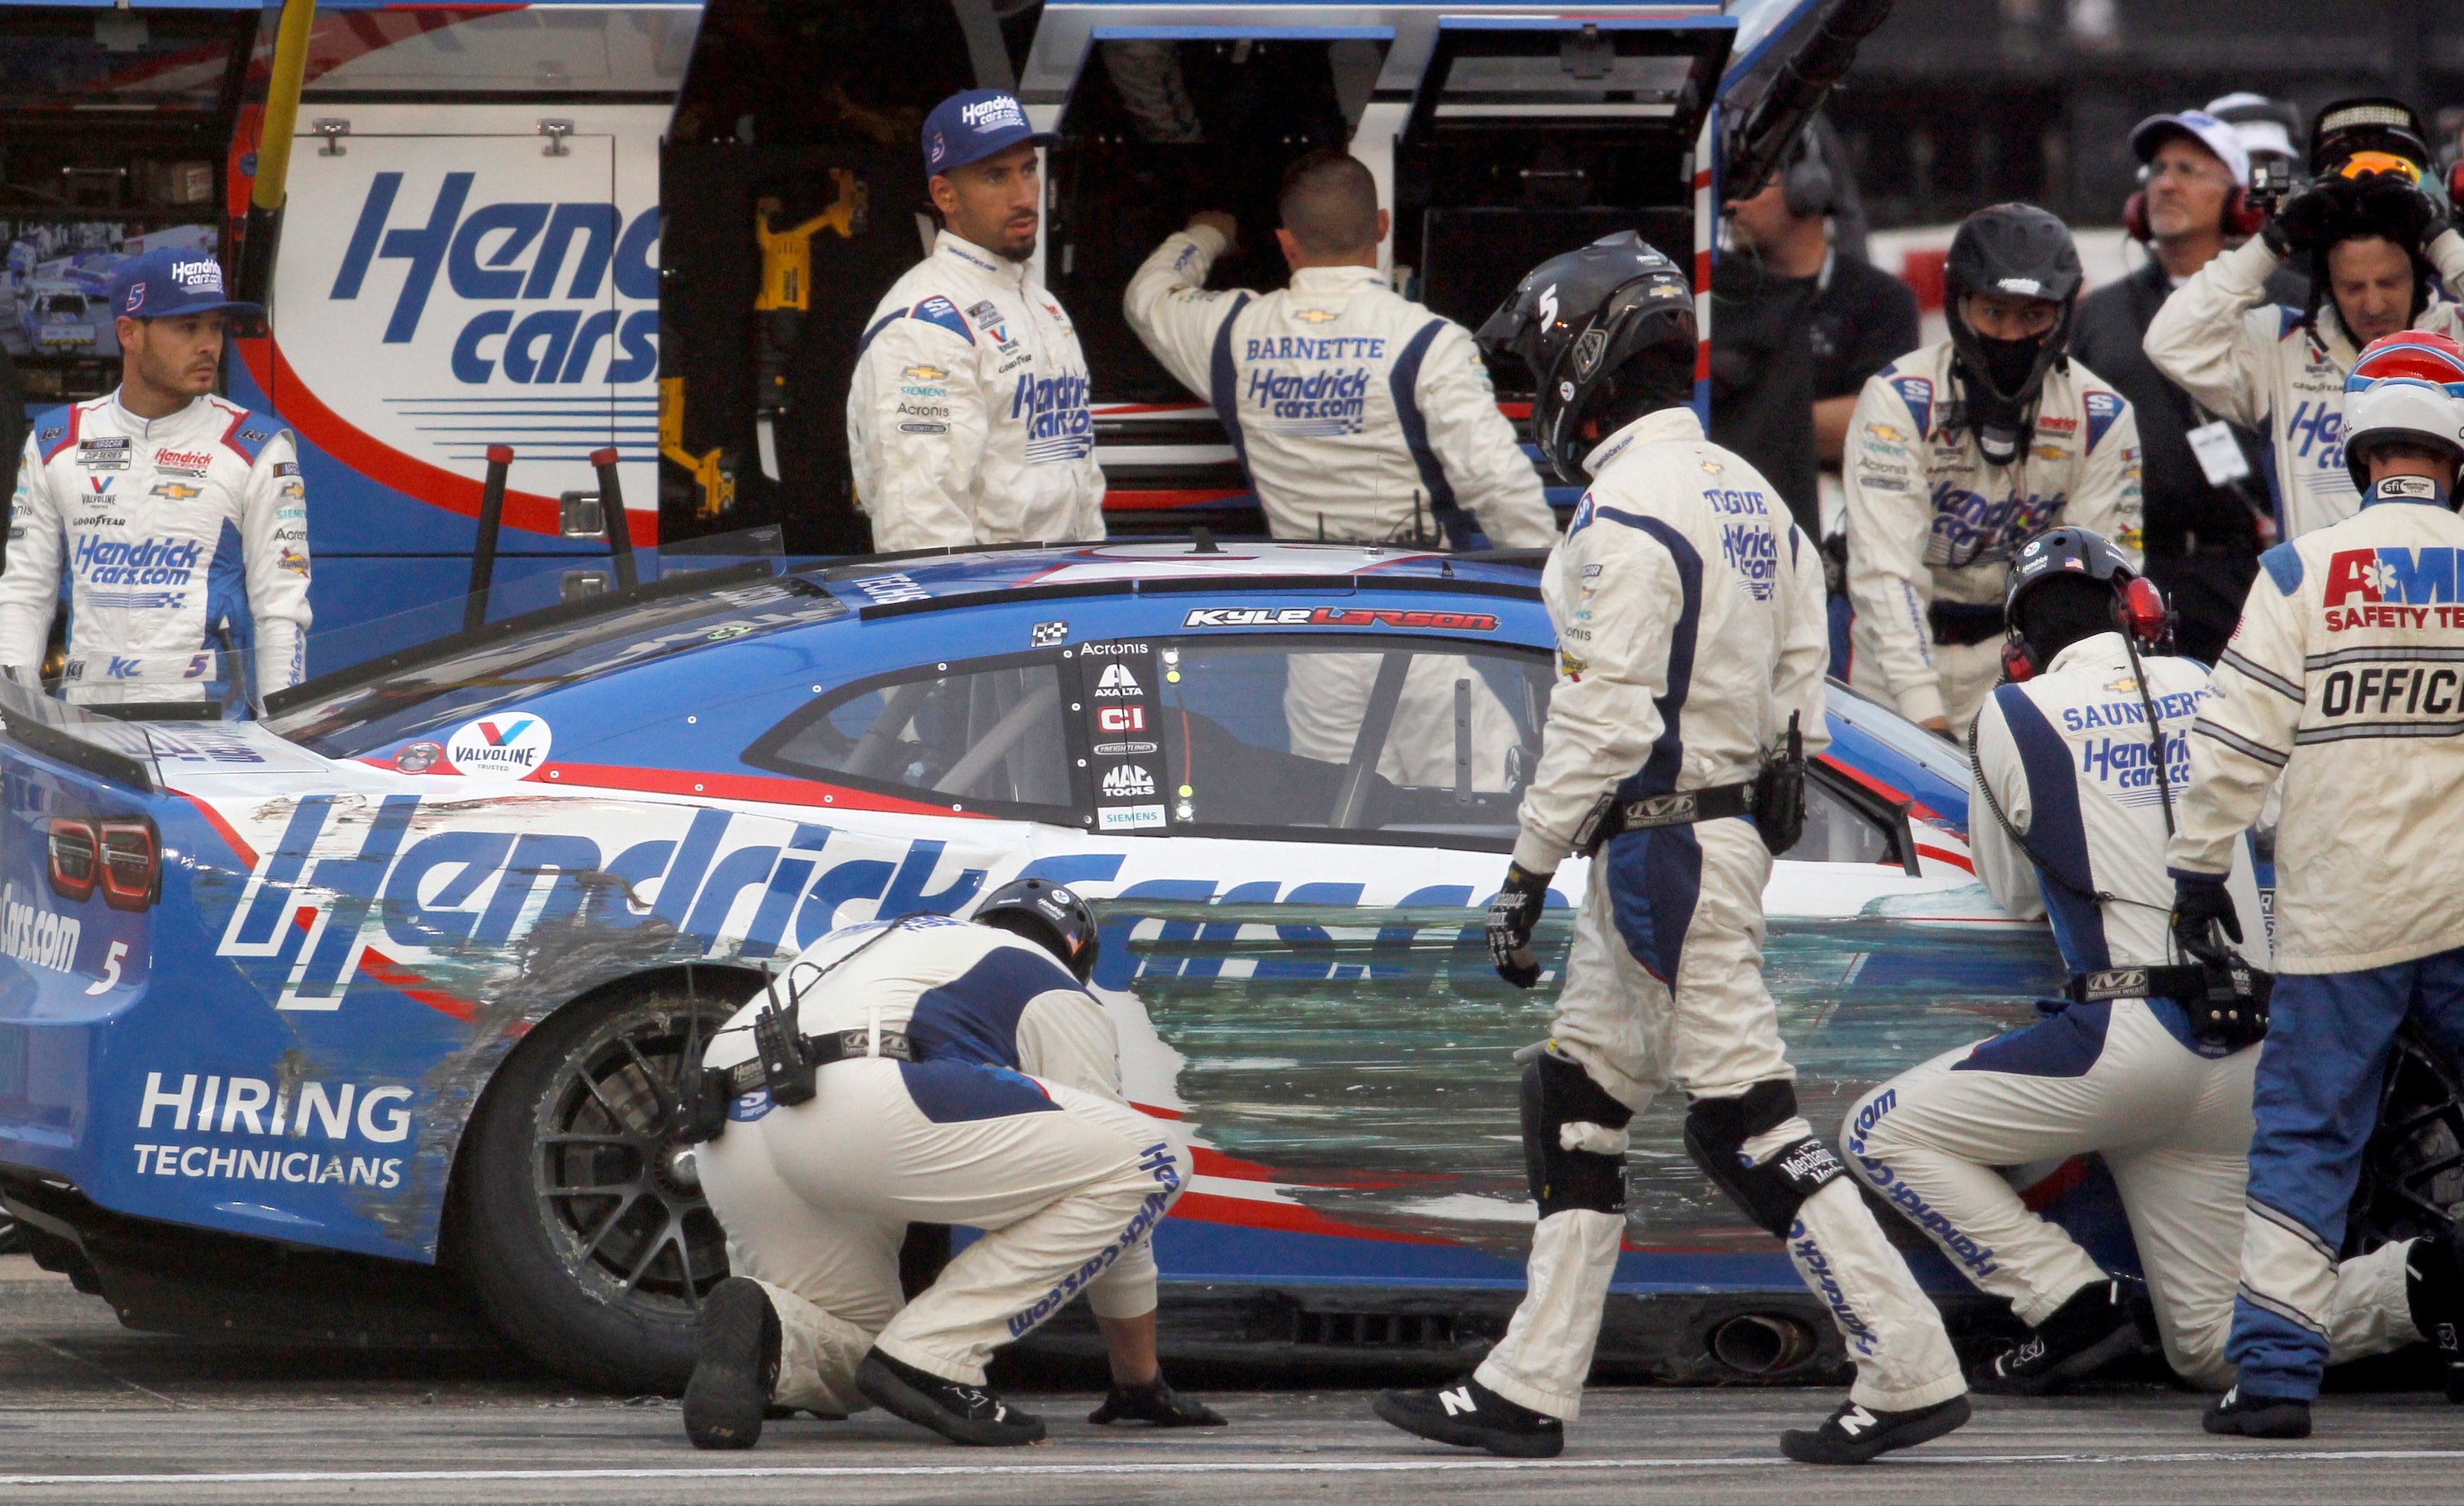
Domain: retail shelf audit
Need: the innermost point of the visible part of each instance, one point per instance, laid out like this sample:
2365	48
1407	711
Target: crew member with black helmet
2070	805
1691	643
927	1069
2345	683
1960	452
2371	230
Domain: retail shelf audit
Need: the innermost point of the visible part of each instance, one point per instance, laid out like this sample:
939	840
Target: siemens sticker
480	248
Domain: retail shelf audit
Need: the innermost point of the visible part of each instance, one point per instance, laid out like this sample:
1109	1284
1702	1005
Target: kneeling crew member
1960	452
2341	686
1691	639
2069	816
963	1078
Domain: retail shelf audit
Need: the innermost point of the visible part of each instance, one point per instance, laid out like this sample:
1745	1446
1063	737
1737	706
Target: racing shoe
735	1366
1857	1435
2252	1414
1156	1403
959	1412
2099	1324
1472	1416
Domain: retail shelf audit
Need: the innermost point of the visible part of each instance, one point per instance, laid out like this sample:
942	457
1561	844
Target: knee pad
1557	1093
1768	1193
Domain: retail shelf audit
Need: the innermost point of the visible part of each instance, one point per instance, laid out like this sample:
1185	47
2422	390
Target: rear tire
581	1233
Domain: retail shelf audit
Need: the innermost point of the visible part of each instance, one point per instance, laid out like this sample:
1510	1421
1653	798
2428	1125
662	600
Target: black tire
575	1227
2413	1170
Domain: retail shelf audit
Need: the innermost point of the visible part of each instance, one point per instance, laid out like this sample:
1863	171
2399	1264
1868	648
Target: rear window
987	737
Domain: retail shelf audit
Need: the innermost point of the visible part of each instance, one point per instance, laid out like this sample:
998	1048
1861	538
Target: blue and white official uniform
2068	756
2346	682
1008	1119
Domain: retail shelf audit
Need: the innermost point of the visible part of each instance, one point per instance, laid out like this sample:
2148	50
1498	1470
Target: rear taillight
123	856
131	863
74	860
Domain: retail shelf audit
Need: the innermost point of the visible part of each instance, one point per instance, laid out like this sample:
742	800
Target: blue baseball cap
169	281
974	123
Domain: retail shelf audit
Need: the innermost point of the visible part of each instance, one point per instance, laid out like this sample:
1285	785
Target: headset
2242	217
2139	614
1806	185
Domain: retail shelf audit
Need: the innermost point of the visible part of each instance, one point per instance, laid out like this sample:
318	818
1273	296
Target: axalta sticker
1335	617
500	747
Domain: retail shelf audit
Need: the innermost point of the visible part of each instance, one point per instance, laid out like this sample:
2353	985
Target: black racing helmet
1607	330
2357	128
2085	558
2014	249
1050	916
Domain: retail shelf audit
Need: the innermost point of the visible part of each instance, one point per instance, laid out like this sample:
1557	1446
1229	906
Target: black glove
1512	916
2195	906
2389	203
1156	1403
2311	216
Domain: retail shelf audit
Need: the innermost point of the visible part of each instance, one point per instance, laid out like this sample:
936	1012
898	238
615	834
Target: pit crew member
1358	413
1689	612
1960	452
2375	246
2069	818
181	518
2341	682
967	417
950	1073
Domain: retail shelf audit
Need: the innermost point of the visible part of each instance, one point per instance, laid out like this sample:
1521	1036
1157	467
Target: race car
366	1019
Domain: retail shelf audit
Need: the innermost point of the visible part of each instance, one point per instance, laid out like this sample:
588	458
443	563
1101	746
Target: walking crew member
1689	614
2342	683
1961	453
967	417
2068	818
955	1073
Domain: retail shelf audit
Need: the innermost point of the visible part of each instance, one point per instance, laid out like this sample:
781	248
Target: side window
1847	825
1412	741
984	736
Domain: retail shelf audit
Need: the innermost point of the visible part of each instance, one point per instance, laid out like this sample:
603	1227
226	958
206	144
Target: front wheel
581	1223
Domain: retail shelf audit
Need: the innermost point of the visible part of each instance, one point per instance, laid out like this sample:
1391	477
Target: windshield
377	702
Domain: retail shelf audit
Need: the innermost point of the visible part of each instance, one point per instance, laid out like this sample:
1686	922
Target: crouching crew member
1960	452
1691	637
2071	806
927	1069
2341	682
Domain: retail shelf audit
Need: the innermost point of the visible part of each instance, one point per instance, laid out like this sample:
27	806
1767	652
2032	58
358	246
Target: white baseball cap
2222	140
2258	133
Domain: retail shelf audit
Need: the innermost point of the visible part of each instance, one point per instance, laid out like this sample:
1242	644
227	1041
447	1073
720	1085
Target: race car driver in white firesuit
2375	246
2070	807
2342	684
930	1071
181	518
967	417
1959	453
1359	414
1691	638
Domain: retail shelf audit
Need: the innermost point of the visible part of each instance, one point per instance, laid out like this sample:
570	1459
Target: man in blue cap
967	418
181	517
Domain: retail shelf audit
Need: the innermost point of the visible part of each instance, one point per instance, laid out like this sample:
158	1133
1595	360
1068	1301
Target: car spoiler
109	751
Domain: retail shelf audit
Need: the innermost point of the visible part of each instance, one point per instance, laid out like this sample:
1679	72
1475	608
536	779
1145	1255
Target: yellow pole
282	104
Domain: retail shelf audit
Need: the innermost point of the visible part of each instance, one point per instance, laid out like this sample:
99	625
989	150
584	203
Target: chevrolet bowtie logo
1315	315
176	491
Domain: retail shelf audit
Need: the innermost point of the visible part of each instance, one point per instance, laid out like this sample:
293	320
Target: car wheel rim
617	1190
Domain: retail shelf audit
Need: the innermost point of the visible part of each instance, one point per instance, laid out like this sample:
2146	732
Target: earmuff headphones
2139	611
2241	217
1806	185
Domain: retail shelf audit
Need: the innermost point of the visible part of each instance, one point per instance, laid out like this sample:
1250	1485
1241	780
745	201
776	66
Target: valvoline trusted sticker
513	745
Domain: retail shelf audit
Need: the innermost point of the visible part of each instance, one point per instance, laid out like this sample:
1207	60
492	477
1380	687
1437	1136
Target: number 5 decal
110	978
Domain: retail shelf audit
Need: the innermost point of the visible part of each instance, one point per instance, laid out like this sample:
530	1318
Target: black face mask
2009	363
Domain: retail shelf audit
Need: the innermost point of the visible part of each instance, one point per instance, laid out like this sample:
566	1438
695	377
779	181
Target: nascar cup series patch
512	746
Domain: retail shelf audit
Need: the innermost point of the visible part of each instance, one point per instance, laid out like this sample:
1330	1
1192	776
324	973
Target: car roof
1193	563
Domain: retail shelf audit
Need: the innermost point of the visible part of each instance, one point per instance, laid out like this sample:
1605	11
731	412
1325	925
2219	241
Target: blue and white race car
366	1019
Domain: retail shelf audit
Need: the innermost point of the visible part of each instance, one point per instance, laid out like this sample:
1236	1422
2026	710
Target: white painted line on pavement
2253	1455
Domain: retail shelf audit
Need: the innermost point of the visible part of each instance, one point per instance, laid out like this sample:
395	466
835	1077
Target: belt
2187	982
822	1050
1677	809
1964	622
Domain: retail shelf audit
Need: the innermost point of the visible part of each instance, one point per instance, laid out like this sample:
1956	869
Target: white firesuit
1929	521
2067	755
1359	413
181	536
967	417
1690	623
2256	365
1010	1120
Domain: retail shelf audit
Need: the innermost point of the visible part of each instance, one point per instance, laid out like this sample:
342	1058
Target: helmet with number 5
1608	332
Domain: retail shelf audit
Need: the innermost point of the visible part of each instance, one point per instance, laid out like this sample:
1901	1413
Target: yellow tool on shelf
715	482
786	293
